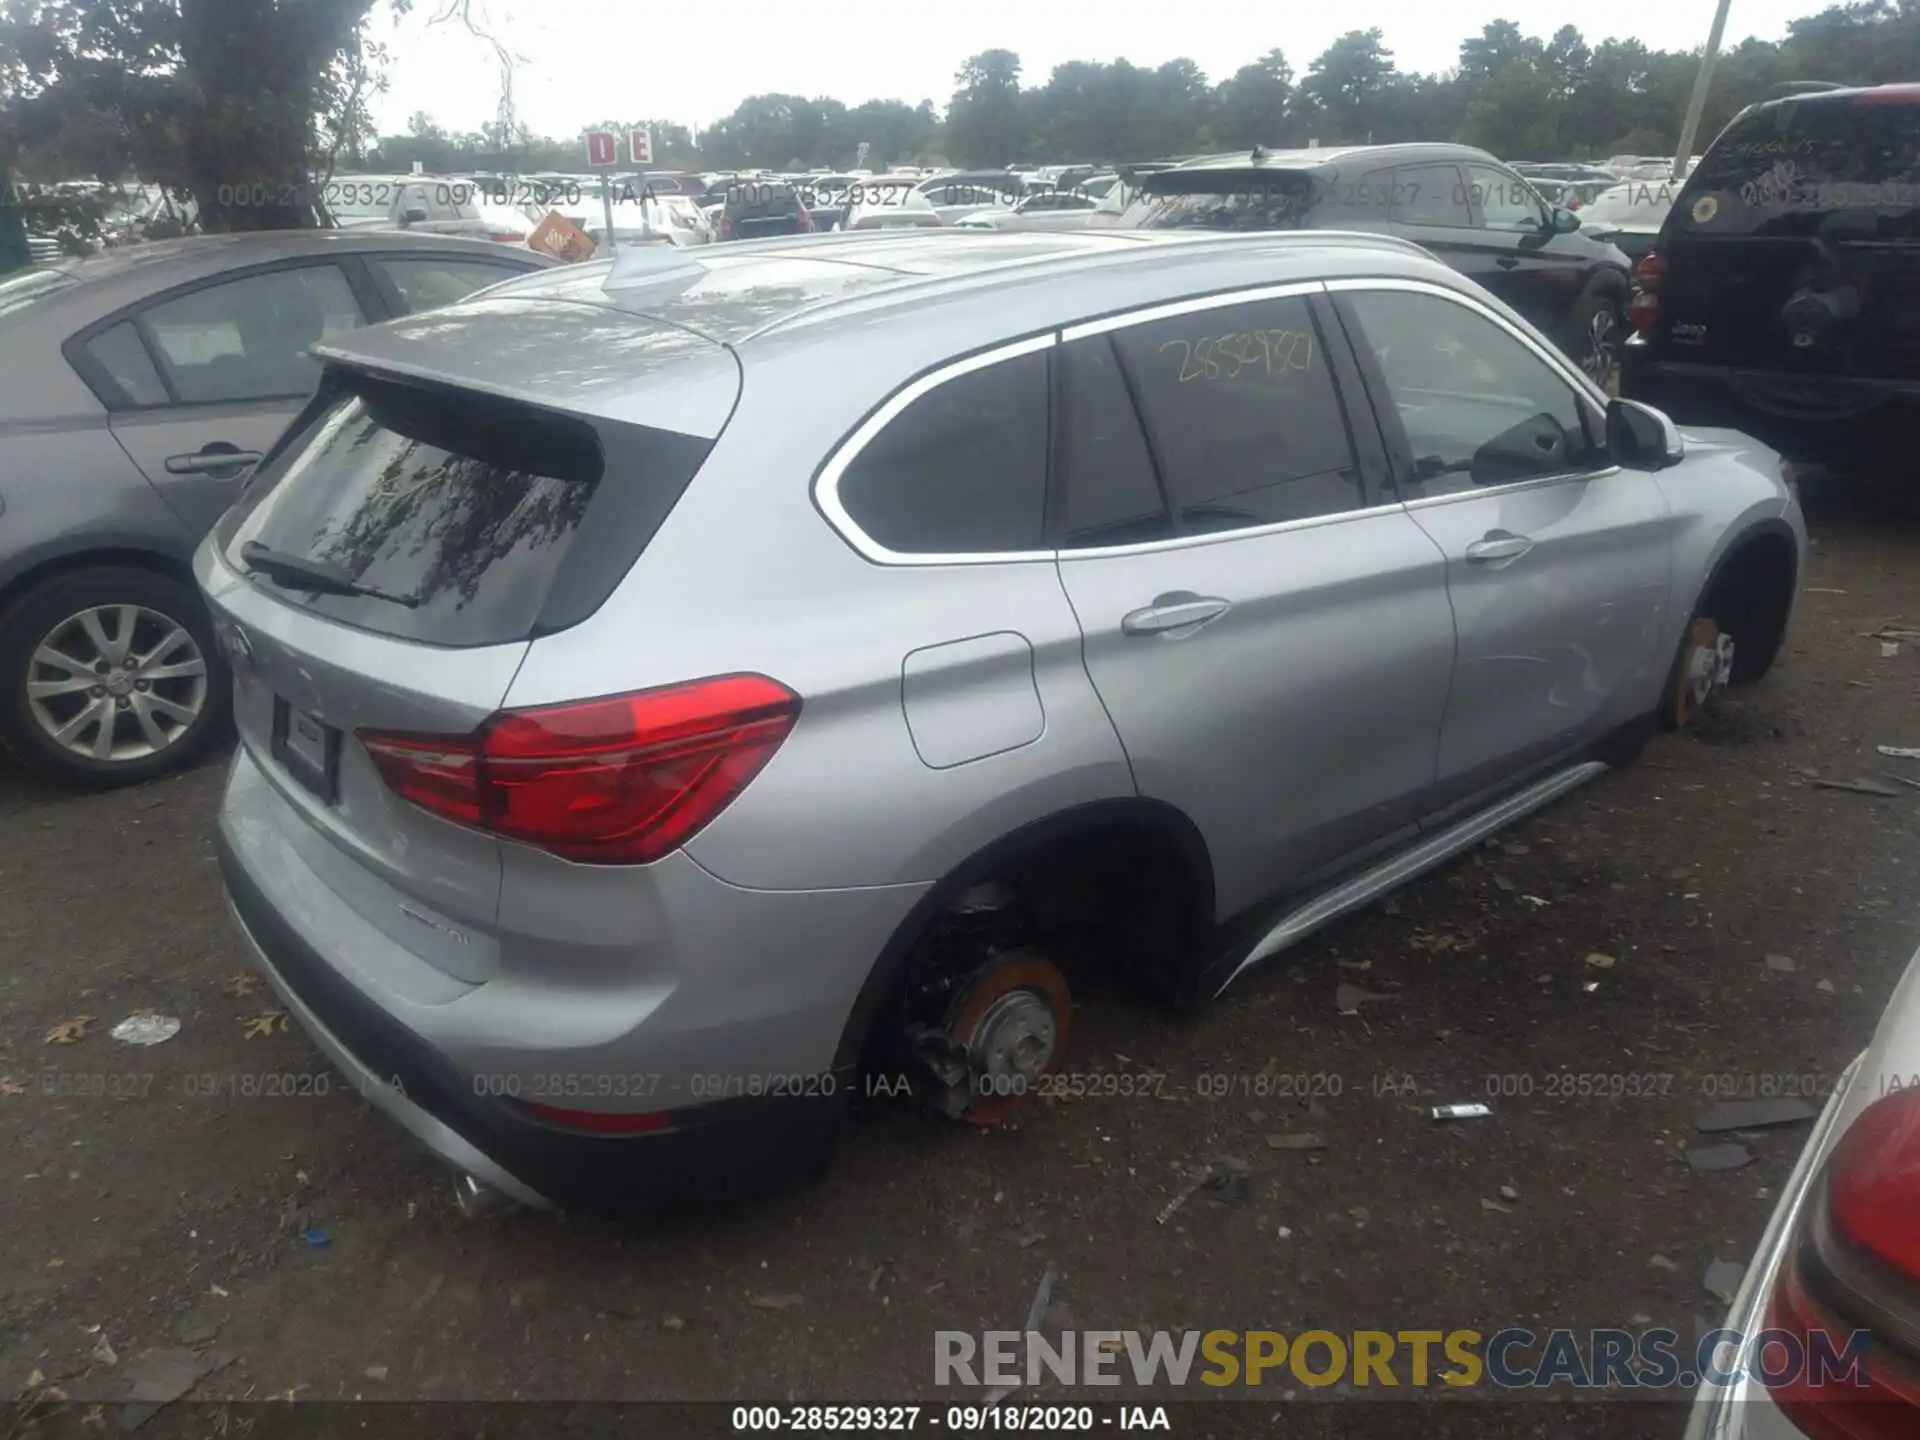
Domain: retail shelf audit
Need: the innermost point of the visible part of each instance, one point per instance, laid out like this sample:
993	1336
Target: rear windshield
750	200
1221	200
1805	167
470	514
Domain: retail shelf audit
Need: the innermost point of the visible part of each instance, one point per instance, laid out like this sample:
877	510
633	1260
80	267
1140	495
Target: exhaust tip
476	1198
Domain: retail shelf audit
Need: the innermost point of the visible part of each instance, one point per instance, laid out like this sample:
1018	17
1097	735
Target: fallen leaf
774	1302
267	1022
242	985
68	1032
11	1086
1600	961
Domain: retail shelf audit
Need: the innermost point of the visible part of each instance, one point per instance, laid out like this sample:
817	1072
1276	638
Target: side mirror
1563	221
1641	438
413	215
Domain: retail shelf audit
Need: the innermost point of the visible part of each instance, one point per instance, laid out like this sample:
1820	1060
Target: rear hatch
461	484
1793	249
1224	198
759	212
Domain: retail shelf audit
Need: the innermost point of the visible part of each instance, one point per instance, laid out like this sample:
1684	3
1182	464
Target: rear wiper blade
300	572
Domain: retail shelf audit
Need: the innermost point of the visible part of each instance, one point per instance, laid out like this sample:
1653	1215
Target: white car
1055	210
888	202
658	219
1840	1258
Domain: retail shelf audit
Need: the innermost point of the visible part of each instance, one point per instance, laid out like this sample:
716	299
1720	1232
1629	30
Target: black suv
1782	296
1466	207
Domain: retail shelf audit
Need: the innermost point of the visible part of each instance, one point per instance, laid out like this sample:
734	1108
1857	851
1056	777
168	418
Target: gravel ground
1708	923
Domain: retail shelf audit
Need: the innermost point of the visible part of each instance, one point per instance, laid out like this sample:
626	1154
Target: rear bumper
721	1150
1709	395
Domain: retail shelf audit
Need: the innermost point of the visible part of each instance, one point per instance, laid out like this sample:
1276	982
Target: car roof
125	274
1326	156
737	294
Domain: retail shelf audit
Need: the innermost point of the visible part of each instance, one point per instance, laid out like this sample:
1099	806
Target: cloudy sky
589	60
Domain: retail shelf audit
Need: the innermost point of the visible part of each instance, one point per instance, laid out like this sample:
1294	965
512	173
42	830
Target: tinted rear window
1222	200
500	521
1791	169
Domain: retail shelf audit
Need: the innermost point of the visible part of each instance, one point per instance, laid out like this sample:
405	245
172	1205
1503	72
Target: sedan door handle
1175	616
205	461
1497	547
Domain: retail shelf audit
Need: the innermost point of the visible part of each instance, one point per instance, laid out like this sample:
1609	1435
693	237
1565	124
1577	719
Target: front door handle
212	460
1176	615
1498	546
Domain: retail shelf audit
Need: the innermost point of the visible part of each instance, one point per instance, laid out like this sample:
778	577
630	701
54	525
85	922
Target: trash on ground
1601	961
69	1032
1901	780
1719	1157
1723	1279
1781	963
1752	1115
1193	1185
1661	1262
375	1372
1460	1112
774	1302
1894	632
1853	787
1591	986
1296	1140
1507	1192
1825	987
1899	752
103	1352
145	1029
318	1239
1360	1215
1889	649
1495	1206
1348	999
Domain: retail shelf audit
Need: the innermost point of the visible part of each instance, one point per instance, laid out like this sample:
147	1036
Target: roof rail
1804	87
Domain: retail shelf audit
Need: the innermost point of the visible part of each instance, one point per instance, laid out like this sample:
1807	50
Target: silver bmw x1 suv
665	690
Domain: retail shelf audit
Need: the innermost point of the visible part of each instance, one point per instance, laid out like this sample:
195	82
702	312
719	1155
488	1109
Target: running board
1390	874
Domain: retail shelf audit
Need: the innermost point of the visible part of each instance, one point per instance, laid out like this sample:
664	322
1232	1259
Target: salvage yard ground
1708	925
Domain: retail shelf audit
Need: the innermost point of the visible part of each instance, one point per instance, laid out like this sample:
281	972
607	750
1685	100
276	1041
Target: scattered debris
1507	1192
1782	964
1284	1233
1893	632
1820	590
375	1372
1719	1157
1193	1185
1853	787
11	1086
267	1022
1041	1297
1752	1115
672	1322
1601	961
1899	752
1825	987
1901	780
1591	986
1348	999
1723	1280
1360	1215
1355	964
242	985
318	1239
1460	1112
1495	1206
774	1302
1661	1262
69	1032
1889	649
1026	1240
1535	901
103	1351
145	1029
1296	1140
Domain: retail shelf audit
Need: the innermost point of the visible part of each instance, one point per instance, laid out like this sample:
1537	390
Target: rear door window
1243	415
429	284
464	511
1110	494
1431	195
1847	167
248	339
1506	202
962	470
117	350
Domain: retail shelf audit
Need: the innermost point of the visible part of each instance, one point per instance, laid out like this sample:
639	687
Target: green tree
1254	105
986	123
1346	83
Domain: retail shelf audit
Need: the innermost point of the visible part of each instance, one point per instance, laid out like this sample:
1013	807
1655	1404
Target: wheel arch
1079	824
50	562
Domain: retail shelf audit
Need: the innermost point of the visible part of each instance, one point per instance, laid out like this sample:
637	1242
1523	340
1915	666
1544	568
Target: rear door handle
1175	616
206	461
1498	547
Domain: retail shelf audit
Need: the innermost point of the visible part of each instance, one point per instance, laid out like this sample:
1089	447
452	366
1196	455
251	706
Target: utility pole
1690	127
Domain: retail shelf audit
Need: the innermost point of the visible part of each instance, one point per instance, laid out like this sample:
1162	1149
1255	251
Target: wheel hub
1708	668
116	683
1009	1024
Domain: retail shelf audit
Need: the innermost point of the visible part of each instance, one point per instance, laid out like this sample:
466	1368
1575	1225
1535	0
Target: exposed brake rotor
1706	668
1005	1029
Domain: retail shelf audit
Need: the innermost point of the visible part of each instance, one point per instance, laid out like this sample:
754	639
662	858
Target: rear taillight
1643	310
618	781
1856	1248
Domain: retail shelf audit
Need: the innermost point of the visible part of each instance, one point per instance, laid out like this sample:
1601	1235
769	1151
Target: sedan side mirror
414	215
1641	437
1563	221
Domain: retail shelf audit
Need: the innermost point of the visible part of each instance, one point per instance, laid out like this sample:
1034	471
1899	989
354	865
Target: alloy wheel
1603	345
117	683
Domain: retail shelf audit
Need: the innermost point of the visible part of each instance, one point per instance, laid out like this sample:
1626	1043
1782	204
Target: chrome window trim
1554	361
826	485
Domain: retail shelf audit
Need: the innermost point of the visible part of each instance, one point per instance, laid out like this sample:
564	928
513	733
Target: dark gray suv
137	389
